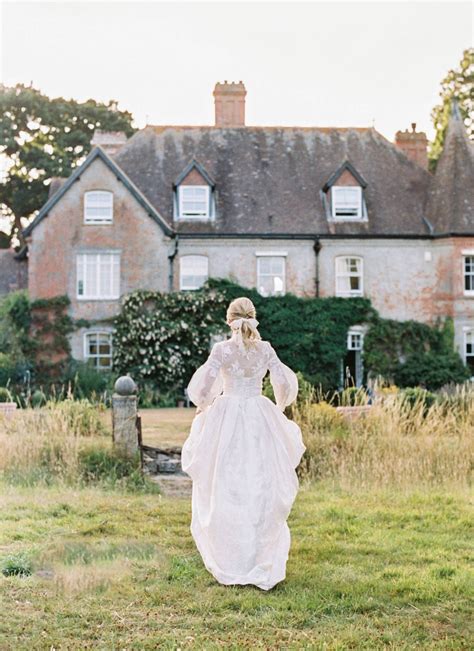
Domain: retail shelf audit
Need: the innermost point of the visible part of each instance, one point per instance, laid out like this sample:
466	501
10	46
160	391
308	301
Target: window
354	340
193	271
349	276
194	201
469	275
98	275
271	275
98	349
469	350
98	207
346	202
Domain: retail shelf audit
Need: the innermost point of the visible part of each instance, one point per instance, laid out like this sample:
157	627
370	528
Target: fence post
124	416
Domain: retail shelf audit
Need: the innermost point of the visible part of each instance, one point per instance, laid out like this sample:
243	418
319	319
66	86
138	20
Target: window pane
469	273
194	200
271	275
346	201
193	271
98	206
98	275
98	349
348	276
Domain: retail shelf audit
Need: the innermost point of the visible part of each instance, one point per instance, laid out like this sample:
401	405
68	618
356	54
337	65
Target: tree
459	85
41	138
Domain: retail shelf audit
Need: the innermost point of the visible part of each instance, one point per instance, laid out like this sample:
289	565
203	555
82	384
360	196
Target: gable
98	154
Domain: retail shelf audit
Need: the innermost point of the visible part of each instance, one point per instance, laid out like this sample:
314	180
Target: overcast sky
313	63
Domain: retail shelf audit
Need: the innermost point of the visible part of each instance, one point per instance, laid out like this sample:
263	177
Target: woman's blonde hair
243	308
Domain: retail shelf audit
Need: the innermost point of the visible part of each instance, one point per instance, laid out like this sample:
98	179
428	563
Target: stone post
124	416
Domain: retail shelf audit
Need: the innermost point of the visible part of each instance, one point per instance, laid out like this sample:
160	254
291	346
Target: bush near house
161	338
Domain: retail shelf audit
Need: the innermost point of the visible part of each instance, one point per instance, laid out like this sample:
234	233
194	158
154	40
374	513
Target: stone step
173	485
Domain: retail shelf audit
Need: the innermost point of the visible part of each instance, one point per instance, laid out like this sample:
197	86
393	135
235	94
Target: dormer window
343	195
194	194
98	207
194	201
346	202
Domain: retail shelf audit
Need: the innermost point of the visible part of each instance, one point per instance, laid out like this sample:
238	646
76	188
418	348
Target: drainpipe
317	248
171	258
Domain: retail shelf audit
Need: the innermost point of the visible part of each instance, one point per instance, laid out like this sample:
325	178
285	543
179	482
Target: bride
241	454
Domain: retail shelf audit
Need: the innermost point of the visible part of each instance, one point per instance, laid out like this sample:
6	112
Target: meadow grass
108	570
92	557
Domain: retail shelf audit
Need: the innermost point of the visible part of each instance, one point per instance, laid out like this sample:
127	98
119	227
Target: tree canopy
457	85
41	138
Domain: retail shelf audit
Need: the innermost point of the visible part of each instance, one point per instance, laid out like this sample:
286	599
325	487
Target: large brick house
313	211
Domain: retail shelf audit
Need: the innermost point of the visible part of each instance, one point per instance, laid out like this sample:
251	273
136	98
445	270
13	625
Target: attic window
194	201
98	207
346	202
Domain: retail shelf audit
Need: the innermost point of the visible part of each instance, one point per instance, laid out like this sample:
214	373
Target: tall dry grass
396	443
44	444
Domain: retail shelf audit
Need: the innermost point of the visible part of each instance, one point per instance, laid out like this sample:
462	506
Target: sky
303	63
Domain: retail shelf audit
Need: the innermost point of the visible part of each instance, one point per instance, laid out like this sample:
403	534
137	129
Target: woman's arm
206	383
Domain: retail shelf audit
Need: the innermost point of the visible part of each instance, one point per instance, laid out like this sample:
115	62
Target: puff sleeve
283	380
206	382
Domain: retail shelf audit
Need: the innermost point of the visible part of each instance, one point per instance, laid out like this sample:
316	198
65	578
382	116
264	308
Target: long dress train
241	453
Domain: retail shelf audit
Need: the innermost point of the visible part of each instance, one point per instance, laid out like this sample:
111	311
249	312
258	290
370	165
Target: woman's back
241	454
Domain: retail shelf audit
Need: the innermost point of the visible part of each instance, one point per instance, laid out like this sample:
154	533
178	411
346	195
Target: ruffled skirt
242	454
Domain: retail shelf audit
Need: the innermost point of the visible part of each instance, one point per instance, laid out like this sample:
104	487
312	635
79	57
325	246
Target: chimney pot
414	144
229	101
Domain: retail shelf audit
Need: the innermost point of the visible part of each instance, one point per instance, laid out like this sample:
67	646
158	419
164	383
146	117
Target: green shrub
38	399
113	470
16	565
431	369
414	396
5	395
85	381
150	396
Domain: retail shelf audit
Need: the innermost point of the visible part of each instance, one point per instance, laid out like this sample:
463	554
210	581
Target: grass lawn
162	427
367	570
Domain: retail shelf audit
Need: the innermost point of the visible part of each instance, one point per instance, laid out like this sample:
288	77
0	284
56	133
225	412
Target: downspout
171	258
317	248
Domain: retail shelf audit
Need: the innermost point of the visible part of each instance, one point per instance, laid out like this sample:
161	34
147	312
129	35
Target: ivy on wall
164	337
411	353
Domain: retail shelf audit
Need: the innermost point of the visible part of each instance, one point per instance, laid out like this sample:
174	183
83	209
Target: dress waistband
242	387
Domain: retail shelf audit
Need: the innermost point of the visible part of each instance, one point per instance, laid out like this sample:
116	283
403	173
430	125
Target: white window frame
468	334
186	286
88	197
360	275
204	214
466	274
338	189
352	333
86	350
265	256
81	274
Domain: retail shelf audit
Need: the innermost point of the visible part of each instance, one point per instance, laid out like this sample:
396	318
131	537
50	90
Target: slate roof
450	205
269	180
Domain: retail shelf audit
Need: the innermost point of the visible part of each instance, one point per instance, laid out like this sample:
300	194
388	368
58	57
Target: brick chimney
414	145
109	141
229	100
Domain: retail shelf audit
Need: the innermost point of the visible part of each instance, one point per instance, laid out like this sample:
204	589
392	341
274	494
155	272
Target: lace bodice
237	371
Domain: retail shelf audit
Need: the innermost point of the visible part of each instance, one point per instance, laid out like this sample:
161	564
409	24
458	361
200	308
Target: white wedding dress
241	454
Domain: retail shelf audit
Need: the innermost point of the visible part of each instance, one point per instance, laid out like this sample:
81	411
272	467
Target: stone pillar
124	416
